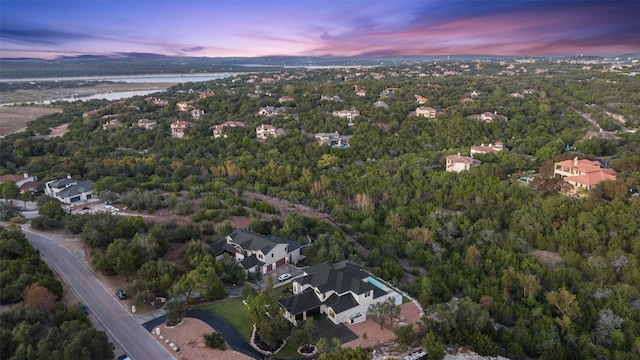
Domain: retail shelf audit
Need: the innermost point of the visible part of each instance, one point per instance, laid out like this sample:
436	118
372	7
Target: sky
248	28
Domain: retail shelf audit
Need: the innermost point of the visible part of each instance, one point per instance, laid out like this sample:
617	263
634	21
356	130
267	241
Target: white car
284	277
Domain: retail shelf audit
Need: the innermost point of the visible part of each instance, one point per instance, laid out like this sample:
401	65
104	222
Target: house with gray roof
69	191
342	291
255	252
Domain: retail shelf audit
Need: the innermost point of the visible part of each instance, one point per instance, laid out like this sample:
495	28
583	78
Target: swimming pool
377	283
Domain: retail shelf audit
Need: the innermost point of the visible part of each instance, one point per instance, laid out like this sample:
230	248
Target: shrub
214	341
175	312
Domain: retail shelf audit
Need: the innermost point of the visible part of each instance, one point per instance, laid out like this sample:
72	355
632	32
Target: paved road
103	306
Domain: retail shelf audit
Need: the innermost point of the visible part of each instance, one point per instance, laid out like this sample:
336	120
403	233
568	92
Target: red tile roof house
183	105
285	99
458	163
488	149
217	129
342	291
420	99
179	127
24	182
583	174
255	252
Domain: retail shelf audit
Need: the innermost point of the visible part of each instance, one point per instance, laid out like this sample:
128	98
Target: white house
348	114
179	128
266	131
342	291
146	124
255	252
271	110
217	129
333	139
68	190
458	163
426	111
488	149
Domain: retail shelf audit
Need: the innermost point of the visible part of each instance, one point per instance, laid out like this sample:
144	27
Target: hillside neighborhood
406	211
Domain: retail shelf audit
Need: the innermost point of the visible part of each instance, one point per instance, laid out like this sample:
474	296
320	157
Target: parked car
82	307
124	357
284	277
121	294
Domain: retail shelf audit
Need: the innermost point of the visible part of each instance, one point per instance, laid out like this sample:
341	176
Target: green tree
304	333
434	346
271	326
203	279
9	190
52	210
121	258
175	312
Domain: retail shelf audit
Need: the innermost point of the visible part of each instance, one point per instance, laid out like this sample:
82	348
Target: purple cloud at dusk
222	28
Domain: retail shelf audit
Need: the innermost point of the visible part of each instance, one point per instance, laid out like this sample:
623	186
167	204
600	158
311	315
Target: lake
176	78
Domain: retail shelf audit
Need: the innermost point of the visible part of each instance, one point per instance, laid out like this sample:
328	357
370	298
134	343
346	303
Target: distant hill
149	63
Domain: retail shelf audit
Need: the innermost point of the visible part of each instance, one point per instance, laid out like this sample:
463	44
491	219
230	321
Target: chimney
26	176
69	176
575	161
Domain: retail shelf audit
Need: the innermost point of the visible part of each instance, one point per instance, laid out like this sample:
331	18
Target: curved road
112	315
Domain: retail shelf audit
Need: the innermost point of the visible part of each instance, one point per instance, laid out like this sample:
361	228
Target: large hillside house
24	182
218	129
179	128
343	291
266	131
69	191
458	163
333	139
255	252
428	112
582	174
488	149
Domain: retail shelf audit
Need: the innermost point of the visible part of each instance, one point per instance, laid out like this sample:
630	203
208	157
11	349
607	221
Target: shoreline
124	76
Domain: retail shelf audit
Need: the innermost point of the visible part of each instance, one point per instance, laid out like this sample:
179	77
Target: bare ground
551	259
189	337
15	118
43	94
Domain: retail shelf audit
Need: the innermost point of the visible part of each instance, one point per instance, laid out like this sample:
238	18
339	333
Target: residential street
103	306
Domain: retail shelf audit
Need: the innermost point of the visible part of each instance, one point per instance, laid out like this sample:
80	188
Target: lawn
234	312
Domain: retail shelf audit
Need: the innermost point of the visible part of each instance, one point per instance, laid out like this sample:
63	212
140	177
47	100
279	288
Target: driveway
228	332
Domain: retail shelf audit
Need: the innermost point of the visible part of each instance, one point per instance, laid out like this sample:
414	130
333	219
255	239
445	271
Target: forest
499	266
38	325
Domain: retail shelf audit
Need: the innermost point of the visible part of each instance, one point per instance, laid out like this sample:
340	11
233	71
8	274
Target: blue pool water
377	283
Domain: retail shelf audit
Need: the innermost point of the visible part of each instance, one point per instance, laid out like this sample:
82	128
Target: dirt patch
59	130
15	118
189	337
551	259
